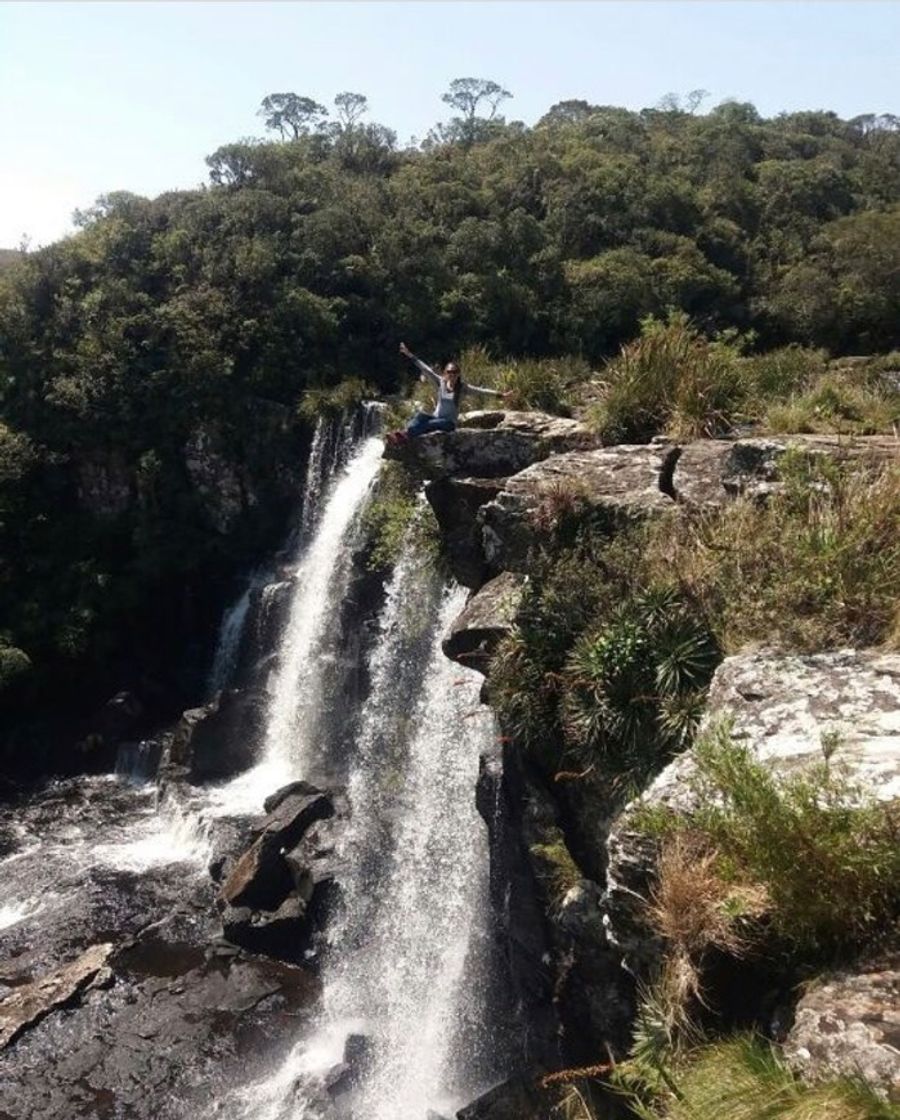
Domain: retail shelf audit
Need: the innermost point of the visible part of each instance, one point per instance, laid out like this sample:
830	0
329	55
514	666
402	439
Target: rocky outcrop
710	472
216	479
488	617
618	484
848	1025
167	1019
267	900
493	444
26	1005
456	502
216	741
786	707
520	1098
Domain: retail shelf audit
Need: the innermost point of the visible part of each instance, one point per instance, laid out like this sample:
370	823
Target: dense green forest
151	365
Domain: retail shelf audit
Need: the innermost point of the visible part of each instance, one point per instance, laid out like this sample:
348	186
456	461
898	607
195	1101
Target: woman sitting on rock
450	388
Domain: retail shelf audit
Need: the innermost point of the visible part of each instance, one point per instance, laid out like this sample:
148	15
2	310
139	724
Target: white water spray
320	580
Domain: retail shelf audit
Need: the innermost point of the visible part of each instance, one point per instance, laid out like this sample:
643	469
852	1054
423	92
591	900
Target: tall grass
817	567
821	853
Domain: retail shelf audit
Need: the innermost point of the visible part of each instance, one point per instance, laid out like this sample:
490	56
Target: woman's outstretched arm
423	366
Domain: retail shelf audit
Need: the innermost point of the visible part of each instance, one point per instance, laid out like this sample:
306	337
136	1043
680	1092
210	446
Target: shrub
634	684
335	400
670	379
389	517
743	1078
823	851
816	567
547	384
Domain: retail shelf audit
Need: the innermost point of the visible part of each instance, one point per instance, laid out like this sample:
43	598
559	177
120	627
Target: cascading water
404	970
321	579
405	964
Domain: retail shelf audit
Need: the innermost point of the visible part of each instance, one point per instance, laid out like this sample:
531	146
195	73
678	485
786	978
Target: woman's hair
458	387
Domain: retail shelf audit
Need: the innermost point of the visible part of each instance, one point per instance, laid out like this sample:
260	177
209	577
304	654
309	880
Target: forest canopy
308	255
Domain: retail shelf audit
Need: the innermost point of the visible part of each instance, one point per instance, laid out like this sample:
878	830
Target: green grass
335	400
824	853
743	1078
816	567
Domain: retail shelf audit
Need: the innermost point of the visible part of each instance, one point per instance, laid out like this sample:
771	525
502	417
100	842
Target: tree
290	115
350	107
466	95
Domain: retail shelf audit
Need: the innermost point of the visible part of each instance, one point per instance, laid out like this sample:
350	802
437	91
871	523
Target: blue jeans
423	423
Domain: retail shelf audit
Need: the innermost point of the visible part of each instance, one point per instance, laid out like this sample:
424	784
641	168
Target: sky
133	95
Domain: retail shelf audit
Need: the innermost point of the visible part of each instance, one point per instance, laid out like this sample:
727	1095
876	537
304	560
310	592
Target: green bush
634	685
547	384
826	854
839	401
670	379
335	400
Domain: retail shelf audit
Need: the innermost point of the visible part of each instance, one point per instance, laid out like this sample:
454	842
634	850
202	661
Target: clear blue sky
133	95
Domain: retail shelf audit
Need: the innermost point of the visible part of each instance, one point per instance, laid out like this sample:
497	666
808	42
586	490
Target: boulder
280	933
28	1004
488	617
493	444
785	706
261	879
624	483
519	1098
848	1024
456	502
709	472
216	741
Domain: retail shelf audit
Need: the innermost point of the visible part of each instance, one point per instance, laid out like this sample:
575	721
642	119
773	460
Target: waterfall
405	963
320	581
403	960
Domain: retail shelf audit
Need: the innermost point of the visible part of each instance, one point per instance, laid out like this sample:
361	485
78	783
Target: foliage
815	567
670	379
557	872
397	517
307	257
634	684
825	854
743	1078
612	669
335	401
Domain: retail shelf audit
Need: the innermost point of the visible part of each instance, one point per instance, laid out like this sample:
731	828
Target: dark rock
488	617
456	502
304	789
622	484
508	799
216	741
520	1098
261	879
848	1025
172	1031
229	839
281	933
492	444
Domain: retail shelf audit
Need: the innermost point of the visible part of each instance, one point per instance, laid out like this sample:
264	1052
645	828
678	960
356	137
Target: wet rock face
487	619
849	1025
520	1098
782	705
216	479
167	1019
492	444
273	894
456	502
216	741
625	483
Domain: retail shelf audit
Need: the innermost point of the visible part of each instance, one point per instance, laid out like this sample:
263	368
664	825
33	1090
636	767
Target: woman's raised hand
404	350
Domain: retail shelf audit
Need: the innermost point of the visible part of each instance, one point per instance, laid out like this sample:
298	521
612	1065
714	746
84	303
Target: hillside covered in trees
151	366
